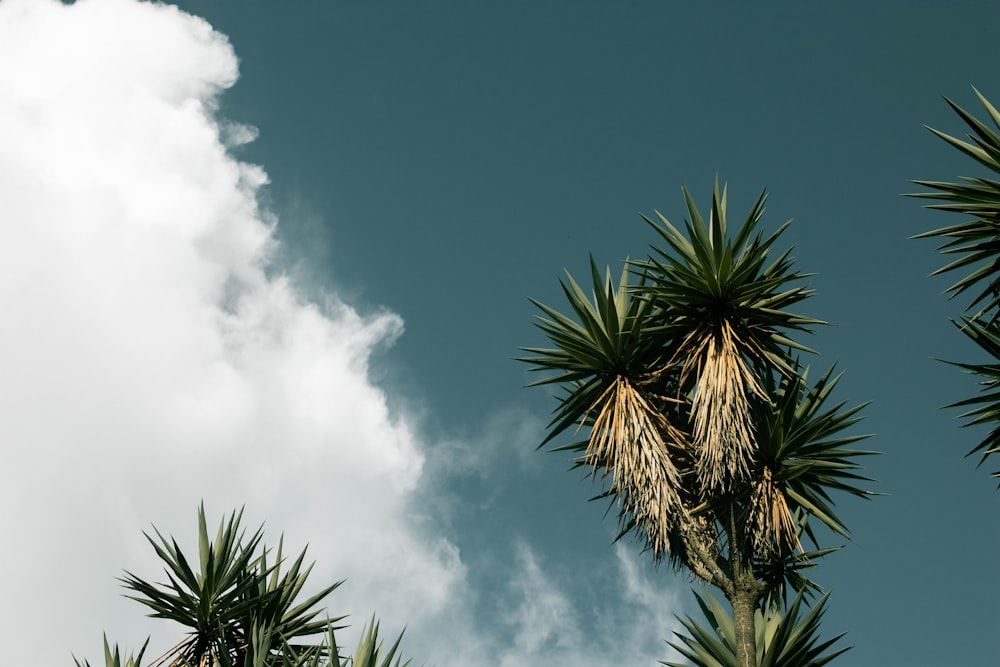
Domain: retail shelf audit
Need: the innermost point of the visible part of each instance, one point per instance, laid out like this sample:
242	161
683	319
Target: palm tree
782	639
974	244
113	656
702	422
241	606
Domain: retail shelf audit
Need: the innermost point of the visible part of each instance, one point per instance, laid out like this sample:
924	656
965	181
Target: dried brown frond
629	441
722	428
770	522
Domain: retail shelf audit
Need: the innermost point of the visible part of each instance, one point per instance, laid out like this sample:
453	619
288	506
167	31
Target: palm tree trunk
743	594
744	602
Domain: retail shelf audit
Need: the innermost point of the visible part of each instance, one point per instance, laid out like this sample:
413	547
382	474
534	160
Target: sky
279	255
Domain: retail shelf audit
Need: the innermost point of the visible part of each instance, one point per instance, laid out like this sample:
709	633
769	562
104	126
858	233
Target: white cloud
542	621
149	360
658	607
508	438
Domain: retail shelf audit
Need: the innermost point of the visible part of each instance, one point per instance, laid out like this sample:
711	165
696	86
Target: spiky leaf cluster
243	607
371	651
700	417
783	638
113	656
973	247
724	302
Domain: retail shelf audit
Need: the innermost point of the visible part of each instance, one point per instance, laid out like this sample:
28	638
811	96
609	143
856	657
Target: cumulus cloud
153	356
151	359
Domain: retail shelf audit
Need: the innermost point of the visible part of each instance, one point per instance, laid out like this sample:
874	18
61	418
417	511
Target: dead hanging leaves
628	439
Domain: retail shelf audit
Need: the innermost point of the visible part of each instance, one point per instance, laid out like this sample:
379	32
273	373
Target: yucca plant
113	656
233	590
782	639
974	245
700	418
242	607
724	300
370	653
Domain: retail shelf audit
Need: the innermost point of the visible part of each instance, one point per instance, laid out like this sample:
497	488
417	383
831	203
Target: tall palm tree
974	245
702	422
242	607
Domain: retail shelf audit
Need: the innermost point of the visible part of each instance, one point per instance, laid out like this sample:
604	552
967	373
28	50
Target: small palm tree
232	596
782	640
370	651
702	421
974	243
113	656
242	607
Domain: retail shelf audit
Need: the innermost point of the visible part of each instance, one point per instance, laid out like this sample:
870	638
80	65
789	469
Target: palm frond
976	242
606	358
233	596
725	300
371	652
783	638
627	441
206	599
113	656
275	599
803	456
787	574
985	406
722	429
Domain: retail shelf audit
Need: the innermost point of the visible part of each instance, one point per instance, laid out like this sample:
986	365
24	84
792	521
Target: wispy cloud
543	620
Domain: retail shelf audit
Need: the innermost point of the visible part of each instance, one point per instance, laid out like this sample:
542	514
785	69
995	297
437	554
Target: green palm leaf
803	456
242	607
985	407
274	599
607	356
371	652
213	597
786	574
783	638
976	242
114	658
231	598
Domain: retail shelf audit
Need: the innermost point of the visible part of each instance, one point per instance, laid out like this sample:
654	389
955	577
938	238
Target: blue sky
430	167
